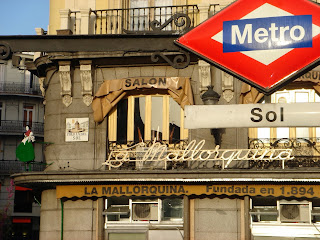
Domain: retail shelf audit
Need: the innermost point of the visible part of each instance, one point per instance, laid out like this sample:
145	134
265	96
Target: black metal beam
156	45
89	43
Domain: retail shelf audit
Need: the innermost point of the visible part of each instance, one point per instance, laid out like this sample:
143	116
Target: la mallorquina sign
158	155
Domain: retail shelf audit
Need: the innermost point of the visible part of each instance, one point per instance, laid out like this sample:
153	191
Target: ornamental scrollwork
5	51
179	61
179	19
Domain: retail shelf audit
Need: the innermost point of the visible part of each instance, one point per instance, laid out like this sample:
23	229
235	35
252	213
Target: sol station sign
265	43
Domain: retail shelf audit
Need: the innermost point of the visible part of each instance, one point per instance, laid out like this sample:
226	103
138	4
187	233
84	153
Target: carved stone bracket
42	89
227	86
204	75
179	61
65	82
86	82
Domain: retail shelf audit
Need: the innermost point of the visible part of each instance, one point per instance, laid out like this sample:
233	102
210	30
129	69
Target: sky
21	17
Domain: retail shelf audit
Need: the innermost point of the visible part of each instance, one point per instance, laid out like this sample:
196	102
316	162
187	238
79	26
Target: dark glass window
122	121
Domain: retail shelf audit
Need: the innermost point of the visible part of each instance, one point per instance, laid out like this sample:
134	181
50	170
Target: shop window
172	209
147	118
264	209
270	210
315	210
143	210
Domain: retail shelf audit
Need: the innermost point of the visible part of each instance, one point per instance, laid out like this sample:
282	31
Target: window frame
112	119
143	200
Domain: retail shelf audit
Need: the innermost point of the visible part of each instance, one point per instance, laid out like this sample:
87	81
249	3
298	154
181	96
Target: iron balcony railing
166	19
14	166
306	151
19	127
19	88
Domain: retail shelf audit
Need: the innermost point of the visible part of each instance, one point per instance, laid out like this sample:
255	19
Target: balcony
11	127
146	20
19	89
158	20
14	166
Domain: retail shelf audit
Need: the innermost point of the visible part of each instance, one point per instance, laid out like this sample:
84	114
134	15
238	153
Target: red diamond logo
265	43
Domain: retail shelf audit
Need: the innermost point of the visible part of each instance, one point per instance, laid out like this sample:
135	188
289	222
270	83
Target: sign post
265	43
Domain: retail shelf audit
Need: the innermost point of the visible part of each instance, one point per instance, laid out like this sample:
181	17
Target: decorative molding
227	87
42	89
204	75
86	83
5	51
65	82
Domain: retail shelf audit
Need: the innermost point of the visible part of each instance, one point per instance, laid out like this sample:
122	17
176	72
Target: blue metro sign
265	43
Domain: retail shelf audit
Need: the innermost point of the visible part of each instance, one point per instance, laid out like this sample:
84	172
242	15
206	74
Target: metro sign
265	43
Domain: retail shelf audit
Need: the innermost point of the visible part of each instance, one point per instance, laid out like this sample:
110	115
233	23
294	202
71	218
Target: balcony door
28	111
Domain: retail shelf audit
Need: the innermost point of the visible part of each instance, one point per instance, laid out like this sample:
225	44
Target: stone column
64	18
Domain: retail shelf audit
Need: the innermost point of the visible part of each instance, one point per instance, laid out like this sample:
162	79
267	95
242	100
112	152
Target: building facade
20	106
122	165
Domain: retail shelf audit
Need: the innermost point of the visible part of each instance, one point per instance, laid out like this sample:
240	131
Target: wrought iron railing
19	88
14	166
156	20
19	127
306	151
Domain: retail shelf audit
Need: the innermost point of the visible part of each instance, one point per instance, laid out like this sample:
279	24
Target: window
264	209
146	118
143	13
27	115
289	96
143	210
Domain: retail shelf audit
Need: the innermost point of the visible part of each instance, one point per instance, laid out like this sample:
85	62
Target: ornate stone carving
204	74
42	89
65	82
227	87
86	83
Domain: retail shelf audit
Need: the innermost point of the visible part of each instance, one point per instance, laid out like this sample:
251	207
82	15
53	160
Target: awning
250	94
18	188
112	91
298	191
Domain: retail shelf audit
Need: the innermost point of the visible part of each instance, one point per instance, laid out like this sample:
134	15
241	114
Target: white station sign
253	115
